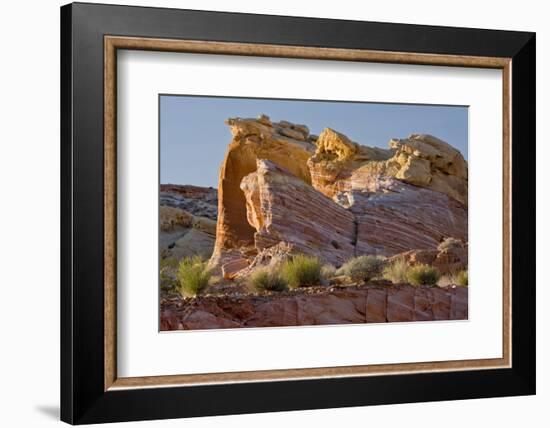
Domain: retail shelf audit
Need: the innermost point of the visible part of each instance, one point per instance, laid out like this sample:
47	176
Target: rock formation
323	305
331	197
422	160
283	208
285	144
187	217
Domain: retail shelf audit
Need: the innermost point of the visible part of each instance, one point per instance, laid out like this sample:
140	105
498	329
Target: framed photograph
266	213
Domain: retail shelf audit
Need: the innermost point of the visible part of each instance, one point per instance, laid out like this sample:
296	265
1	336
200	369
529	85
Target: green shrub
423	275
362	268
462	278
267	280
396	271
193	276
302	271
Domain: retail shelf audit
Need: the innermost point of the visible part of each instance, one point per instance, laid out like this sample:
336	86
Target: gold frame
112	43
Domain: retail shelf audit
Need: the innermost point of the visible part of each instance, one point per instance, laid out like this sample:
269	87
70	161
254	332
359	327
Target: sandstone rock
323	306
447	259
171	218
252	139
397	216
199	201
423	160
378	201
204	224
193	243
230	269
283	208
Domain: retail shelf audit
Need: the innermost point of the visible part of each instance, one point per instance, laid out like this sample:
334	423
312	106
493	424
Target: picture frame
91	390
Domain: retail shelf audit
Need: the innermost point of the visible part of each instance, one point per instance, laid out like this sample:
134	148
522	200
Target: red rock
423	301
400	305
376	305
322	306
459	303
441	305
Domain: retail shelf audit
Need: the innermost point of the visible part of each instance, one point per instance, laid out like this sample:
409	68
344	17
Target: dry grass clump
193	276
362	268
462	278
396	271
449	243
328	271
423	275
267	280
456	278
302	271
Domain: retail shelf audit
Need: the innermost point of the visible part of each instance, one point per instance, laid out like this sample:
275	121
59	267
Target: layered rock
284	208
323	305
286	144
393	216
390	218
333	198
187	217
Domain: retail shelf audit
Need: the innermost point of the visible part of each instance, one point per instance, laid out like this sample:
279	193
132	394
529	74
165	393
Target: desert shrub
302	271
456	278
396	271
267	280
423	275
462	278
193	276
363	268
328	271
449	243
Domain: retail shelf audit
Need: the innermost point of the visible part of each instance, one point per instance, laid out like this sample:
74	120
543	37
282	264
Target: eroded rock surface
187	217
284	208
318	306
334	198
422	160
286	144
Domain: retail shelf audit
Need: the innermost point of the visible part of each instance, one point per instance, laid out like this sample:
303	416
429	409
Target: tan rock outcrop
281	142
334	198
422	160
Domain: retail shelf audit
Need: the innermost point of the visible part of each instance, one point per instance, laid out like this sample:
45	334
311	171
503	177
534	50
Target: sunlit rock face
286	144
422	160
284	208
333	198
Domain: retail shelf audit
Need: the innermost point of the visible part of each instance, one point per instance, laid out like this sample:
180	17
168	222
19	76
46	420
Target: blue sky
194	137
